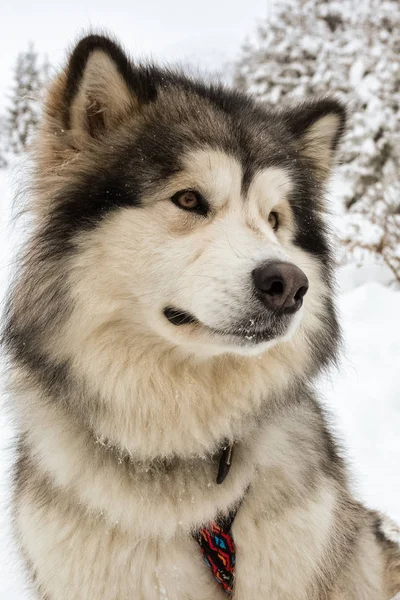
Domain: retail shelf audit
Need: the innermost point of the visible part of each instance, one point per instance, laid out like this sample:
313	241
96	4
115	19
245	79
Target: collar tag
225	462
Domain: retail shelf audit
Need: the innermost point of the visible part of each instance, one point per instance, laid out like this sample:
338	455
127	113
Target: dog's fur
122	413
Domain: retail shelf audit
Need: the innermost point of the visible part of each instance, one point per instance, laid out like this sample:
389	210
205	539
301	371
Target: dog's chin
250	337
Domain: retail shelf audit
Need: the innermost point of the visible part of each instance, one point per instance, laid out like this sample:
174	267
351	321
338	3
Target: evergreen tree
23	115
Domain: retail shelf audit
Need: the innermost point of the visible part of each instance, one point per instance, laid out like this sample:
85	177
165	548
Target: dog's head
187	213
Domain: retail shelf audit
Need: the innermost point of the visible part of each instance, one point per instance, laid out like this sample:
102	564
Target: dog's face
194	213
209	262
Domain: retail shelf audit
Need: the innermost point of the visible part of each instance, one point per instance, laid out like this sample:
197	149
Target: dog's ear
317	127
101	87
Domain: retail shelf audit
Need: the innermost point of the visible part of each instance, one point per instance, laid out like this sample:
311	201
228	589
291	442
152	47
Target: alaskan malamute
173	306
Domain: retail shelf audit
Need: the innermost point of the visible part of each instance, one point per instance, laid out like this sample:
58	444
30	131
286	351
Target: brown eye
191	201
187	200
273	220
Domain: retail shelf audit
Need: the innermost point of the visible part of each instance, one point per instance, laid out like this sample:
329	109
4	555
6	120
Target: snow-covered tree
23	115
374	229
351	48
291	54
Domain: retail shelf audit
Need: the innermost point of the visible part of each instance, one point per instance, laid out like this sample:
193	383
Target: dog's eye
273	220
191	201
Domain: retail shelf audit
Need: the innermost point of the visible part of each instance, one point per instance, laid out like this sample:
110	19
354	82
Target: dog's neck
222	458
150	401
160	407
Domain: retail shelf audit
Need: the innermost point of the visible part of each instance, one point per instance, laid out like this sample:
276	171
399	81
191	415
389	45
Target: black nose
280	286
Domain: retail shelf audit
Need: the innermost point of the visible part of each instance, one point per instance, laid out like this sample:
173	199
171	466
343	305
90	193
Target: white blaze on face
235	240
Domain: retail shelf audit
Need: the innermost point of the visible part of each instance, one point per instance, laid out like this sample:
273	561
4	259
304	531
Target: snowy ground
363	396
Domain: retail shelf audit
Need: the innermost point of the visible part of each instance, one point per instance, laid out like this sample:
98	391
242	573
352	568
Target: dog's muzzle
278	292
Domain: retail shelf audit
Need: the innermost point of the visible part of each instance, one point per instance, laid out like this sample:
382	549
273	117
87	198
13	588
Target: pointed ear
317	128
101	88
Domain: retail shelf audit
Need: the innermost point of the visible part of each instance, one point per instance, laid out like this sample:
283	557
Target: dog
173	306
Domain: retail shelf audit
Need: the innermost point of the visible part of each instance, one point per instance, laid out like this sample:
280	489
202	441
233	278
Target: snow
362	395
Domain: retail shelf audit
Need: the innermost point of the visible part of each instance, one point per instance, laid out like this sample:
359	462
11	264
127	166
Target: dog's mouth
253	331
179	317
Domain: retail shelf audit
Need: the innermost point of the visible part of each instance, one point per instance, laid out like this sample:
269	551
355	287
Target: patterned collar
218	548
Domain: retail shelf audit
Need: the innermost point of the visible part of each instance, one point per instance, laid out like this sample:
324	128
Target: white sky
204	33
